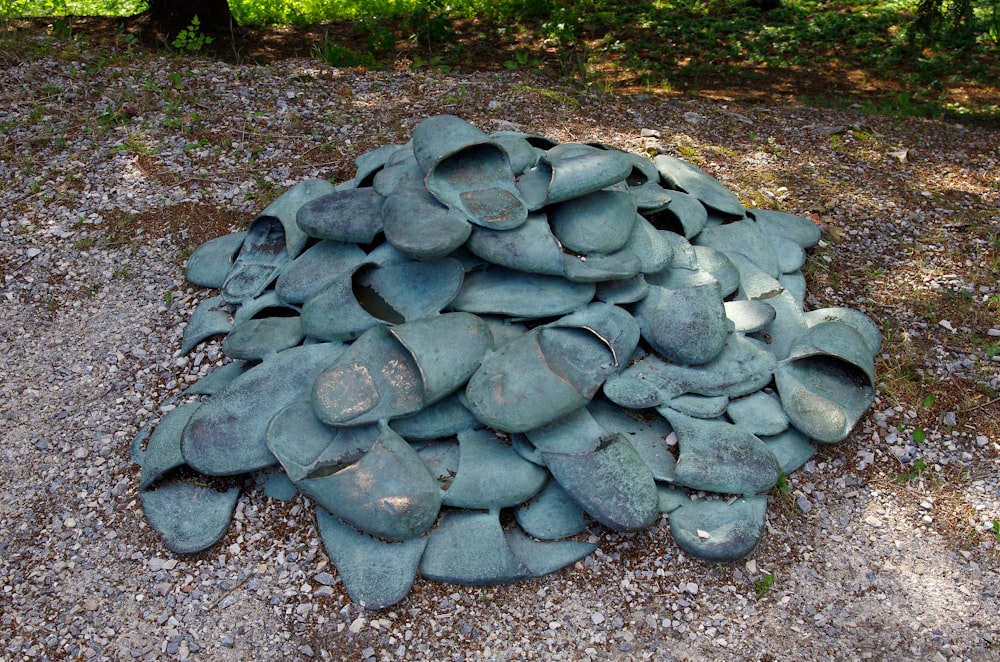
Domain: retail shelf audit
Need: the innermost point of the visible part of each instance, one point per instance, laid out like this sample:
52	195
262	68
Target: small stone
306	650
227	641
597	618
358	625
804	504
947	325
691	588
649	133
873	522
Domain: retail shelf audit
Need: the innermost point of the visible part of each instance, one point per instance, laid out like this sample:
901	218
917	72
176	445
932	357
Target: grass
828	51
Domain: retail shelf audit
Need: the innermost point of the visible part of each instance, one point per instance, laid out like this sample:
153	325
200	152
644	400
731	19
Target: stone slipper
210	318
718	531
572	170
741	368
188	516
827	382
471	548
496	290
717	456
552	370
683	176
388	288
211	262
338	470
376	574
467	171
317	267
272	241
227	435
351	215
420	227
684	322
611	483
552	514
394	371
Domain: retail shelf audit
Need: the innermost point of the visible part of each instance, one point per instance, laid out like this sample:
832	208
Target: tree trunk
175	15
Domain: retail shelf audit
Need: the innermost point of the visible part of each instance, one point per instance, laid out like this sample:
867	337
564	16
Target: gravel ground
114	166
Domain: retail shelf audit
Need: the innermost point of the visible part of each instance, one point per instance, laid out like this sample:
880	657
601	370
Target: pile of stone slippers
482	345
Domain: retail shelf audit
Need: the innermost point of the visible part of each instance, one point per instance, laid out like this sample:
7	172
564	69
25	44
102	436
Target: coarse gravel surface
115	165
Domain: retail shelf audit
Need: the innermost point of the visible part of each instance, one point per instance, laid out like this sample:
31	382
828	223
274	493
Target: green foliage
918	467
191	39
764	584
340	56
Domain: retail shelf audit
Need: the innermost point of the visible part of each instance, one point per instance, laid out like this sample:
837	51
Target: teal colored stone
716	456
717	531
552	514
420	227
686	325
744	238
749	316
376	574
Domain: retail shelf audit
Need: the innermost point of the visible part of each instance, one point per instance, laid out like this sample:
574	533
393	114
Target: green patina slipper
801	230
376	574
187	516
420	227
687	324
499	291
599	222
552	514
388	492
552	370
612	483
394	371
316	268
743	367
256	339
490	474
272	241
210	318
718	531
531	248
468	172
381	291
647	434
227	435
684	215
349	215
211	261
471	548
827	382
683	176
717	456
